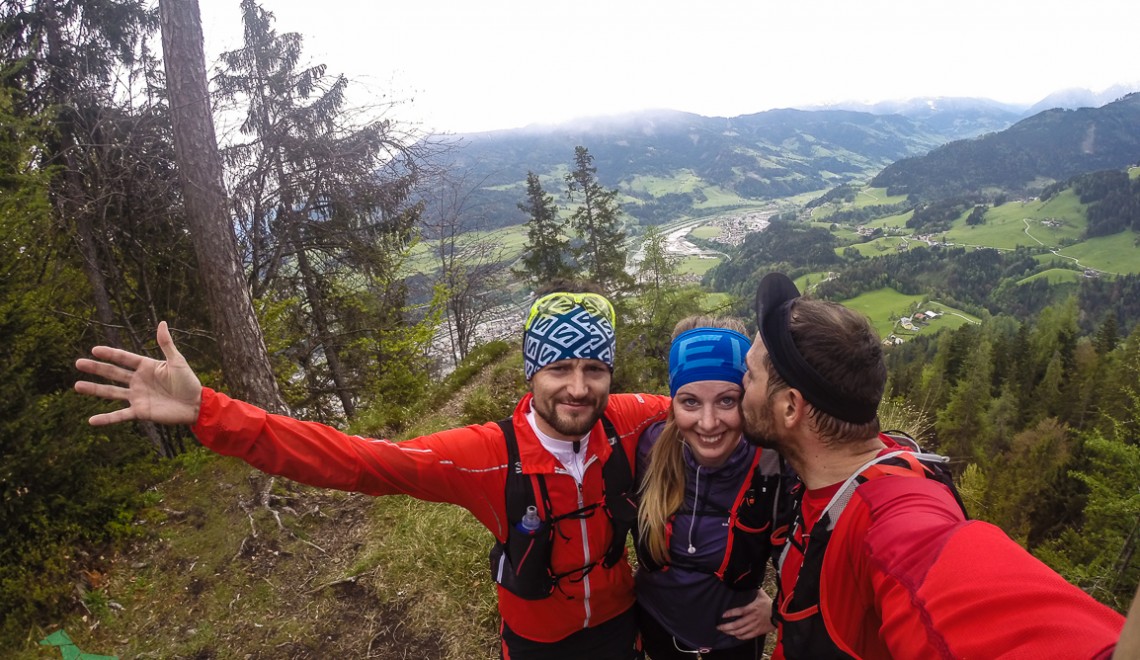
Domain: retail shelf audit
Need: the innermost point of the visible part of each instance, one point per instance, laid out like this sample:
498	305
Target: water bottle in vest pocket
522	564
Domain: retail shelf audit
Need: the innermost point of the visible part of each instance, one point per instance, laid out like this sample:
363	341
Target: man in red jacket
880	561
579	603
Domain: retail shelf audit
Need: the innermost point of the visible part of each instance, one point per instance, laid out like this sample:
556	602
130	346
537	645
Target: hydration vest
754	523
521	564
803	632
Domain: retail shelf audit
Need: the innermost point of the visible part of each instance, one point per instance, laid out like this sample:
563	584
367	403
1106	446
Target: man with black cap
880	561
562	463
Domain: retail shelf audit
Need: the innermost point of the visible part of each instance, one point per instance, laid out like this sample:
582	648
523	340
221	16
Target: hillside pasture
1030	223
1053	276
805	283
1118	254
897	221
875	197
682	181
882	246
883	306
423	258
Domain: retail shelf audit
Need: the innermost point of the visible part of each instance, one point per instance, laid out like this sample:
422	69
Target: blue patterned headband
707	354
555	333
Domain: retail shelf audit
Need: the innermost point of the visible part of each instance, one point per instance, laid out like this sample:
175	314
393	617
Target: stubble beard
760	427
575	426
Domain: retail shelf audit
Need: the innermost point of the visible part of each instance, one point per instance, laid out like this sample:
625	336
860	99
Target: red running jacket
906	576
466	467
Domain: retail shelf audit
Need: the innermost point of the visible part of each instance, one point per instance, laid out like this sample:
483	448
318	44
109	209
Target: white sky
473	65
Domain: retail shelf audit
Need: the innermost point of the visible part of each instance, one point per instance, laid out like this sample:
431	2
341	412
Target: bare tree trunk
245	360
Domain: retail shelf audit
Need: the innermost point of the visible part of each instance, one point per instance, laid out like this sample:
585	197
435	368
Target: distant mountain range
1052	145
670	164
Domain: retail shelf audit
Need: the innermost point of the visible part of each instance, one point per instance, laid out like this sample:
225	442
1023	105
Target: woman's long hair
663	485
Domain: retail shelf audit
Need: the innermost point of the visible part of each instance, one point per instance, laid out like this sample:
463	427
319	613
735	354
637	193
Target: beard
760	426
576	425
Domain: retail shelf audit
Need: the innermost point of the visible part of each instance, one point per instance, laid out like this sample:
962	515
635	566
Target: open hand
753	619
166	392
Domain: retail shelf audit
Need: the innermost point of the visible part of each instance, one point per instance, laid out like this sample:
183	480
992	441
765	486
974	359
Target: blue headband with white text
707	354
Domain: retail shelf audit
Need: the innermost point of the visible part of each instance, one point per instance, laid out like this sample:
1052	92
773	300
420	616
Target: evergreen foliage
596	220
546	256
325	219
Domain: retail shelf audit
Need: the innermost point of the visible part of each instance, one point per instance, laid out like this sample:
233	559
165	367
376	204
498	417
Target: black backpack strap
519	490
521	562
621	498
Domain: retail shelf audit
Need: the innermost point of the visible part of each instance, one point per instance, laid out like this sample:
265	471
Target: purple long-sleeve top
688	599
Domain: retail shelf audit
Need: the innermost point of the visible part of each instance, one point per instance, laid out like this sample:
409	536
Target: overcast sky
473	65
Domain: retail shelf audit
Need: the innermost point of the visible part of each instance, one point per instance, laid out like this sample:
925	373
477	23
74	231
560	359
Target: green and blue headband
564	326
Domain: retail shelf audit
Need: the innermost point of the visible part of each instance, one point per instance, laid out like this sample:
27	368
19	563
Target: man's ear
791	408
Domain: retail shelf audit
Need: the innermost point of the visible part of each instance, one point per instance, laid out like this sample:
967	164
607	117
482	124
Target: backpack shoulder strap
621	505
519	489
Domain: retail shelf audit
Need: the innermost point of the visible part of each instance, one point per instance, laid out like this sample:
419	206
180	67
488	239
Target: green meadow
874	197
1030	223
1053	276
706	232
884	307
697	265
1117	254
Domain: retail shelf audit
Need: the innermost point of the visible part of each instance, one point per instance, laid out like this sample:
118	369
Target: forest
280	256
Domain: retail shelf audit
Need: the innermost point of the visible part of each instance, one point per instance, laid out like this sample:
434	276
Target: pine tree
545	256
597	222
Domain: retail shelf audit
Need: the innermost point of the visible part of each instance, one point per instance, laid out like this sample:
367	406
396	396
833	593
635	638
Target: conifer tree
597	222
545	256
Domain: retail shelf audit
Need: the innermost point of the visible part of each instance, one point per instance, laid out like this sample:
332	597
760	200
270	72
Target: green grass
882	246
1117	254
1023	223
882	306
423	260
875	196
697	265
897	221
1054	276
706	232
682	181
806	283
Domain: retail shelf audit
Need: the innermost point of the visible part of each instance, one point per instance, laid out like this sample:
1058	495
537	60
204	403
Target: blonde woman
704	521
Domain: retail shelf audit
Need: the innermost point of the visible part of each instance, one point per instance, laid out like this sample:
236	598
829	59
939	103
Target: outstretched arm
166	392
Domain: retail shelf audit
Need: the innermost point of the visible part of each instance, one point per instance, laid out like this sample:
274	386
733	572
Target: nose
576	386
708	420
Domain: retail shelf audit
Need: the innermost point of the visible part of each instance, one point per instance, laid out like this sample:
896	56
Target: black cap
774	300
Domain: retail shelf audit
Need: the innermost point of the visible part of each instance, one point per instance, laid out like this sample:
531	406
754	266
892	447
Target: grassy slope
345	576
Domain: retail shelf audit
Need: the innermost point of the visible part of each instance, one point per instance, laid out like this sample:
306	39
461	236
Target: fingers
113	392
118	356
124	415
103	370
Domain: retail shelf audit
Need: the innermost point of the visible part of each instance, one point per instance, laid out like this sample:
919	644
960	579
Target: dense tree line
1113	201
98	250
1039	420
937	216
788	246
